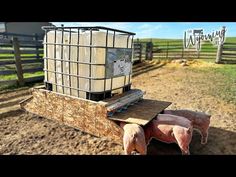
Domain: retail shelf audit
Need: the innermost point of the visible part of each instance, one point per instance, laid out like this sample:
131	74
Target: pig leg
128	149
185	150
204	133
183	139
183	147
128	145
141	146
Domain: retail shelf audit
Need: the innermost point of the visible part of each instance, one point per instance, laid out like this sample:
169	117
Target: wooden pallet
91	116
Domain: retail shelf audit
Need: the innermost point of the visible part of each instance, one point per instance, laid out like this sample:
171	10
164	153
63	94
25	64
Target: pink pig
173	119
170	129
133	139
200	120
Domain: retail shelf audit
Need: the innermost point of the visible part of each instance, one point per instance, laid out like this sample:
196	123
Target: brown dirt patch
24	133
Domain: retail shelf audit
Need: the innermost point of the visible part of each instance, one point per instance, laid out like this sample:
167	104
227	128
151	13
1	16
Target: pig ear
208	116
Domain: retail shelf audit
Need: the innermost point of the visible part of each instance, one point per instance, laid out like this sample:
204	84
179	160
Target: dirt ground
24	133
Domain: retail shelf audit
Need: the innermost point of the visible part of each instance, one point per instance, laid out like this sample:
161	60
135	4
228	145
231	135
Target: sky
171	30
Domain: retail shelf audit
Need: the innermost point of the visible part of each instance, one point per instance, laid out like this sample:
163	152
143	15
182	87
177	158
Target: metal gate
137	56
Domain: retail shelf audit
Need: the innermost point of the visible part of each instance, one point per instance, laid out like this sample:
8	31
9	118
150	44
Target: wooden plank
34	79
31	42
142	112
5	44
229	56
5	41
229	49
229	59
31	46
229	43
7	72
6	57
4	51
32	61
232	54
207	56
34	56
7	62
85	115
32	70
173	47
31	52
19	70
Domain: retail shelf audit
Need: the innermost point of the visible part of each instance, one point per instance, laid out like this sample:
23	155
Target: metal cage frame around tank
96	96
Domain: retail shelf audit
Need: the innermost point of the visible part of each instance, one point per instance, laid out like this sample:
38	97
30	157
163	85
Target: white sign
195	36
118	62
121	67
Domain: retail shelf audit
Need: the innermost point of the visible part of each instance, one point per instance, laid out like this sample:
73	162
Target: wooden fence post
149	48
36	47
219	53
19	71
220	48
198	54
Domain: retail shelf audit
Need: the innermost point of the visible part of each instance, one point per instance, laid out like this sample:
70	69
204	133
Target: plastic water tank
88	62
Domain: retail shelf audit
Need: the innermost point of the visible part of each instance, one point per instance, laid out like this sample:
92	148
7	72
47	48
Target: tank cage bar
78	30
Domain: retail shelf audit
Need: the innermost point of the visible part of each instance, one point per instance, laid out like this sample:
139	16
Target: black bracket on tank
98	96
48	86
127	88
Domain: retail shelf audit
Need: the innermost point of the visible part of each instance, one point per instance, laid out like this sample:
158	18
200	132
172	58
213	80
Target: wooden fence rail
169	50
18	56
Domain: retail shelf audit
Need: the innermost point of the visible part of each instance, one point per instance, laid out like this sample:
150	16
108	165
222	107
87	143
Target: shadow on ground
220	142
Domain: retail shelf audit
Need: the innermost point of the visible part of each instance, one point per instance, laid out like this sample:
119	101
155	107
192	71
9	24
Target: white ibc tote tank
88	62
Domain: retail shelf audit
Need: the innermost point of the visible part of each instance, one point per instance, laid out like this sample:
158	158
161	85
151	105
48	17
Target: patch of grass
8	77
224	79
14	77
7	88
23	55
227	70
39	73
231	39
26	75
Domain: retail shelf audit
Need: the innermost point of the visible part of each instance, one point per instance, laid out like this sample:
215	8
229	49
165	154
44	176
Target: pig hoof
203	142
